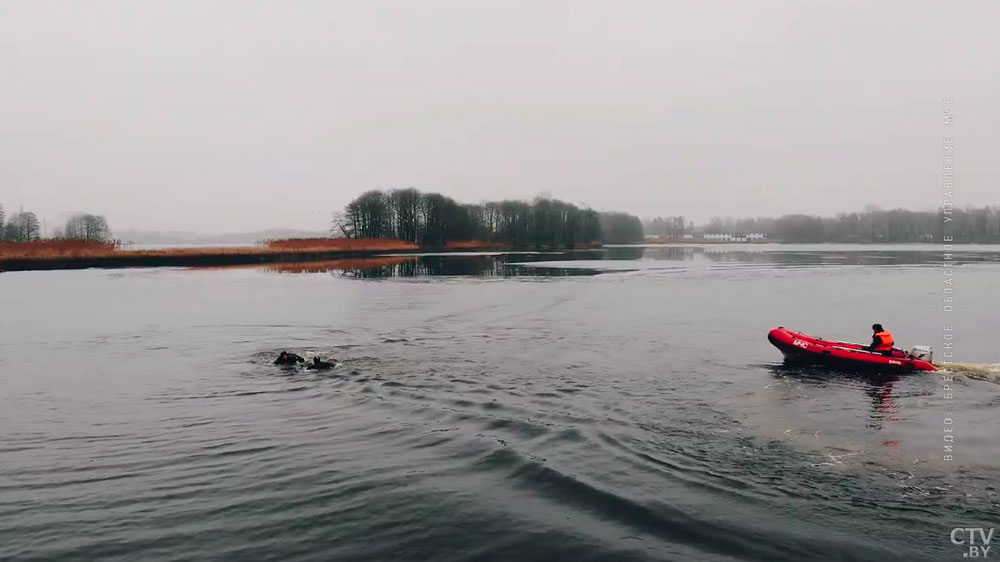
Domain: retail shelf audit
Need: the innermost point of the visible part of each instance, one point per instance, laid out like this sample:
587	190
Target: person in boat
882	341
285	358
319	365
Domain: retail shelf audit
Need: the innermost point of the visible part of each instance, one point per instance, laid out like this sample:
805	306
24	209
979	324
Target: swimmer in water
319	365
286	358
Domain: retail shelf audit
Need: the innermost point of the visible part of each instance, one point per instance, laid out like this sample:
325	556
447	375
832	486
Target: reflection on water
805	255
589	262
878	387
332	265
464	266
461	265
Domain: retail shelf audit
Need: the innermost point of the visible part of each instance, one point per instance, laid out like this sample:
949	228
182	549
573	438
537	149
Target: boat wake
989	372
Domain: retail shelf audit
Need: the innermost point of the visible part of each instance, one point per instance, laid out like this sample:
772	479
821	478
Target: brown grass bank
81	254
56	249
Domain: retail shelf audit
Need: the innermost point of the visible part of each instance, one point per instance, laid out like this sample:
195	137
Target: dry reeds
57	248
54	250
339	244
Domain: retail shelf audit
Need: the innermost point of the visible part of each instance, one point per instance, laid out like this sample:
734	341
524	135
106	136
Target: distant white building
734	237
718	236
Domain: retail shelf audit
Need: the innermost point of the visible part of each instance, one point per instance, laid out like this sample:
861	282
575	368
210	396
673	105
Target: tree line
668	227
978	225
432	219
25	227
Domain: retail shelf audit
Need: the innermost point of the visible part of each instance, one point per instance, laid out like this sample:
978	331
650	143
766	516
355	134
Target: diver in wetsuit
319	365
286	358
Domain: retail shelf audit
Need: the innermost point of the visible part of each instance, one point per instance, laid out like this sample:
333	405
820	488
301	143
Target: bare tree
340	226
88	227
22	227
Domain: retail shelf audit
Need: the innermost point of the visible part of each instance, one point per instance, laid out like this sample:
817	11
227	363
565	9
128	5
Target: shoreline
217	256
249	255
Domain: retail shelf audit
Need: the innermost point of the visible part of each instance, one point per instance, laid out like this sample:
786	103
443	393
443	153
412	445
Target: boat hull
803	348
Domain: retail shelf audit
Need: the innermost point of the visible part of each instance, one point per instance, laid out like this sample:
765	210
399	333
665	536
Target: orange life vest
885	336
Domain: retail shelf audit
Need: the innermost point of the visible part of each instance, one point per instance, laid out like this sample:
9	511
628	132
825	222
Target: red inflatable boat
802	348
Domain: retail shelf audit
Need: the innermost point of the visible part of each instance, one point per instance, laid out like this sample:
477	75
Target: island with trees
402	220
434	220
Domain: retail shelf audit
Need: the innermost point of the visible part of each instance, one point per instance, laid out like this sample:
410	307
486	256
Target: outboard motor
922	352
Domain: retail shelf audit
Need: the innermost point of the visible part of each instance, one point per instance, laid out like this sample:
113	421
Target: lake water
621	404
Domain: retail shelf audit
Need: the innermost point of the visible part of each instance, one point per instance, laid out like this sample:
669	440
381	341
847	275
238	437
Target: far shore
70	254
77	254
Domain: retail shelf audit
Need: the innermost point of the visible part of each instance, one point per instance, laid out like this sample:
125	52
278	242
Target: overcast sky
242	115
